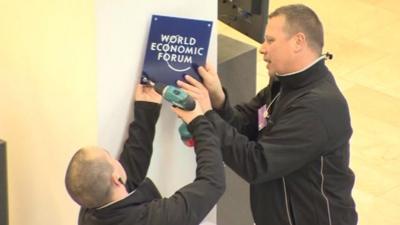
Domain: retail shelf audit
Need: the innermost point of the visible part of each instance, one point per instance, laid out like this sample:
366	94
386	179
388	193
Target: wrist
148	102
218	100
188	120
157	101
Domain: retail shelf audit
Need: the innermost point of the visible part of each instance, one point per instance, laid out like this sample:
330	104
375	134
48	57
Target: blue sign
175	47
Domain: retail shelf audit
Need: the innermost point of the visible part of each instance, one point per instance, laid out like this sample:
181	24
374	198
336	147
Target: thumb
203	73
210	69
177	110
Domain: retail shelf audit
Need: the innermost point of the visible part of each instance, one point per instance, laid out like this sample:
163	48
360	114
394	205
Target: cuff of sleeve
226	111
211	113
226	104
147	105
147	108
194	122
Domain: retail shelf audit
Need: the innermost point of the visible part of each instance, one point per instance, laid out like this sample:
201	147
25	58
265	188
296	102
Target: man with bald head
112	192
89	174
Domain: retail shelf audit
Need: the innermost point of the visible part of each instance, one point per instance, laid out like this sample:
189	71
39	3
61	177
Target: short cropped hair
88	179
300	18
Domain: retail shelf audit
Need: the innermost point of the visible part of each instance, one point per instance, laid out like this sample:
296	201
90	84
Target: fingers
177	110
139	87
147	93
188	116
191	81
194	88
200	95
186	86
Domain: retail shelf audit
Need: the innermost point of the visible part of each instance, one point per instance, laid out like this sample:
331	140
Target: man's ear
121	181
117	180
299	41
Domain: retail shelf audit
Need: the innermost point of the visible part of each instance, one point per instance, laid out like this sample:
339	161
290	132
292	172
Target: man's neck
117	196
302	63
303	68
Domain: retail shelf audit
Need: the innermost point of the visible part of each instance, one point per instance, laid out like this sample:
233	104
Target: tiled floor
364	36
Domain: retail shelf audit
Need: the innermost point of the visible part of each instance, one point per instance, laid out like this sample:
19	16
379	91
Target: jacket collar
145	192
315	71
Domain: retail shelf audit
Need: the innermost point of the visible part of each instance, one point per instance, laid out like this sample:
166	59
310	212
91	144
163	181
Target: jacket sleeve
138	148
190	204
243	117
294	140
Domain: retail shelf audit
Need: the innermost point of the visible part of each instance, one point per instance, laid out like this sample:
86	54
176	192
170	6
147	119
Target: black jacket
189	205
298	165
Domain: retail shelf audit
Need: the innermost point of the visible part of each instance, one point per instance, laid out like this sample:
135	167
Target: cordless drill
182	100
175	96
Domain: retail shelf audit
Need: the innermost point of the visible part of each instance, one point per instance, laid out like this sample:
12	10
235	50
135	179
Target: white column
121	34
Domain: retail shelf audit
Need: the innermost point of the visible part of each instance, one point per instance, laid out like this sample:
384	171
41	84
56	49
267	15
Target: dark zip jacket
145	206
298	165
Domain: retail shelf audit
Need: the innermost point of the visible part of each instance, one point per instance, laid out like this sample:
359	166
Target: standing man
291	141
112	192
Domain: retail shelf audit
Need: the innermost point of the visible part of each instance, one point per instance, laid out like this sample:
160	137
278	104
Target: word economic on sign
176	48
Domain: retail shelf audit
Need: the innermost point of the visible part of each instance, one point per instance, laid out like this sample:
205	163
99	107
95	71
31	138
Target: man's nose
263	48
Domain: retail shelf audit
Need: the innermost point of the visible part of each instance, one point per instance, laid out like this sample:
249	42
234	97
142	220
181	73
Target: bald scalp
88	177
300	18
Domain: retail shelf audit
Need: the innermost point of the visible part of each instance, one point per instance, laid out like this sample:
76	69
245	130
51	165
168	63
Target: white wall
47	103
122	29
